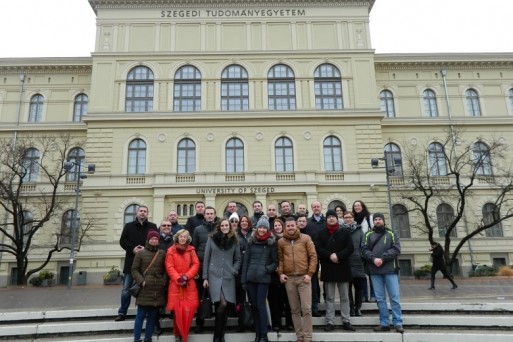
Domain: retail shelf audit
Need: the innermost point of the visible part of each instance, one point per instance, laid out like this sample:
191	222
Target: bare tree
455	171
31	191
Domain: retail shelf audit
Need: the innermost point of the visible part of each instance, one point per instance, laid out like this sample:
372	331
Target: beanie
380	215
152	233
263	222
234	216
331	212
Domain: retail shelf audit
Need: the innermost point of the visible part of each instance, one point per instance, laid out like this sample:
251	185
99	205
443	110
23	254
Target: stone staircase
423	322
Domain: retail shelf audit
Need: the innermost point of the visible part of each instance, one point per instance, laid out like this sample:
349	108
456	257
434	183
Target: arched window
241	210
137	157
332	154
393	159
186	156
483	163
430	107
187	93
77	157
36	108
328	87
234	89
130	212
444	217
490	215
473	108
284	155
234	155
30	165
139	90
401	221
386	101
80	107
336	203
437	163
281	88
67	224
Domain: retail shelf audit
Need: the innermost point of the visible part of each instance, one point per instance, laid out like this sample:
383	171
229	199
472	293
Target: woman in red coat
182	265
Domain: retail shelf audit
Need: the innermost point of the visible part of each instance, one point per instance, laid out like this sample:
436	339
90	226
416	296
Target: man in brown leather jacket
297	264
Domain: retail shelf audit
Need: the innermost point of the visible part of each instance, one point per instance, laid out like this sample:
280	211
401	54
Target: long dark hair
361	216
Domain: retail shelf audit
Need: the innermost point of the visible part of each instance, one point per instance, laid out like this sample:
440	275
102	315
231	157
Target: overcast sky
62	28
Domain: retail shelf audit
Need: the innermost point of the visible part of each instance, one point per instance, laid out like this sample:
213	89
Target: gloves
182	281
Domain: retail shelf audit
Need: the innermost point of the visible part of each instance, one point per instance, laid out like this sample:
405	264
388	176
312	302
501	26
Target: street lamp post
389	169
68	166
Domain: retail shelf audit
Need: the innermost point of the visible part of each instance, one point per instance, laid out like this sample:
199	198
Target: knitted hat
234	216
380	215
263	221
151	234
331	212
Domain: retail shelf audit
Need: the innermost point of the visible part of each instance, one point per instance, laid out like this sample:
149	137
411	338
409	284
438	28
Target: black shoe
358	312
290	327
454	287
198	329
381	328
431	288
352	313
399	328
347	326
316	313
329	327
119	318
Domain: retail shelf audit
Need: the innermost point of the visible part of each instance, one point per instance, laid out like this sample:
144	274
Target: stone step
470	318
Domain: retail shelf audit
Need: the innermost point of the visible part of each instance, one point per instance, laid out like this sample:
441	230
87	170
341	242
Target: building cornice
68	65
448	61
109	4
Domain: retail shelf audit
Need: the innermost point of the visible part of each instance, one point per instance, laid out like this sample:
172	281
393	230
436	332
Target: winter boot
432	284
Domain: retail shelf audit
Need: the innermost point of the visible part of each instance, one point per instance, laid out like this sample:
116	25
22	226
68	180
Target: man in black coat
334	248
196	219
438	256
133	240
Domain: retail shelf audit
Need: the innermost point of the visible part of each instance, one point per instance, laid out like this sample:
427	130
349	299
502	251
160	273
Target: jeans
257	293
150	313
390	283
343	291
300	300
125	295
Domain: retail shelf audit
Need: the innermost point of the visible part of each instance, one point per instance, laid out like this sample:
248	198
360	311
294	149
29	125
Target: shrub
35	281
505	271
45	275
423	271
113	274
483	271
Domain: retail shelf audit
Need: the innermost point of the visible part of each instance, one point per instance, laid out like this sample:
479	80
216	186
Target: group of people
274	260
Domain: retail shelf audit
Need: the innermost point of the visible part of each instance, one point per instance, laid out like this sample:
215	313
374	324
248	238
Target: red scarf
263	237
332	228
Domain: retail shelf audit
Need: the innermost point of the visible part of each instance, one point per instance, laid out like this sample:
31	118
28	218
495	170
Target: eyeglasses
165	225
234	221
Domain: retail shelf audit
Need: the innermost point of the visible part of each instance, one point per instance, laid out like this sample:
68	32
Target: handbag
205	307
246	314
135	289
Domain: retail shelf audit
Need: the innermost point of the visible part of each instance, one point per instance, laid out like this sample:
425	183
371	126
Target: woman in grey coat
221	264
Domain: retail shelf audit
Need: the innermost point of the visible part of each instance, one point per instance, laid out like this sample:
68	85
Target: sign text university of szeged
233	13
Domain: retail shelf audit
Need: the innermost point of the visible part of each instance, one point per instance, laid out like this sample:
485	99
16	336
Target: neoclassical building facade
249	100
